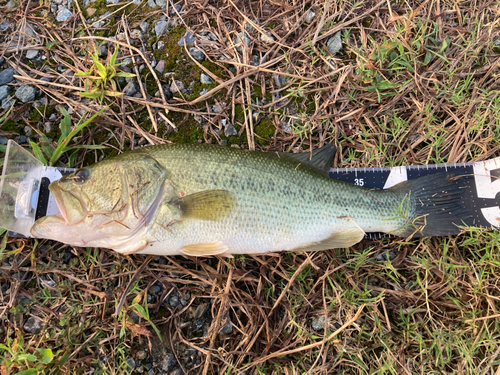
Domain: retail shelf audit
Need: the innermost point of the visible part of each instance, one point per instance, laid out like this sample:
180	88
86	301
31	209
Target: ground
389	83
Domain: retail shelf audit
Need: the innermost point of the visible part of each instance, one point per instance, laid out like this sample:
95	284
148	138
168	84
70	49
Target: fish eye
81	176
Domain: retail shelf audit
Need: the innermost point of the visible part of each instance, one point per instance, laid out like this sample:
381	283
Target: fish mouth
70	206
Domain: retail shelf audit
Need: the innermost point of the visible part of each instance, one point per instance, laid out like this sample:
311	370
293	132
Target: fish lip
56	192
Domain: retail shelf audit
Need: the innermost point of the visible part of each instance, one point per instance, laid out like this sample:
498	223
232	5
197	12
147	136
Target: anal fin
205	249
335	241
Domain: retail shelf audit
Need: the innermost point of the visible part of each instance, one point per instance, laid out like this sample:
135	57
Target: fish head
106	204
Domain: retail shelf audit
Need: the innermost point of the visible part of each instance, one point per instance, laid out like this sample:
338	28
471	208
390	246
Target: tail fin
433	205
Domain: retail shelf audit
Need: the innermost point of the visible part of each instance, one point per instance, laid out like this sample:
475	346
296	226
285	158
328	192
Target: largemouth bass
205	200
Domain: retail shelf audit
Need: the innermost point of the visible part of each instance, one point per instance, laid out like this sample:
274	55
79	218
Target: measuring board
480	197
26	181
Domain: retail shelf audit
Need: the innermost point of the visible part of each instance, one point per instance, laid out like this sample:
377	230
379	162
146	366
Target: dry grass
415	83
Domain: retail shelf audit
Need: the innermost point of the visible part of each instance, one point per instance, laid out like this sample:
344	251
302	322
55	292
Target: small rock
66	257
210	36
176	86
309	16
139	370
140	355
6	103
27	130
131	362
102	50
230	130
176	9
240	39
334	44
216	109
26	93
136	34
131	88
90	11
198	323
47	127
161	3
177	371
168	363
174	301
160	45
154	289
160	28
227	328
388	255
32	54
4	92
152	4
22	139
205	79
318	324
3	141
144	26
203	92
266	38
197	54
5	25
33	325
46	282
187	38
63	15
6	76
168	95
110	2
160	66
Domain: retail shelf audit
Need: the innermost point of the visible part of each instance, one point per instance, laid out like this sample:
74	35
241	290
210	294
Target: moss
12	126
266	130
187	133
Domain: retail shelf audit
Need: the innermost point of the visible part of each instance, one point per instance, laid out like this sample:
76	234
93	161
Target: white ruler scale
25	195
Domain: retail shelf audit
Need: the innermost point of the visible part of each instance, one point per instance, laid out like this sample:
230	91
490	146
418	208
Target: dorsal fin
321	158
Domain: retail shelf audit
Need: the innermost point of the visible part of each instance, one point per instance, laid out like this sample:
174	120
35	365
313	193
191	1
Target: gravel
131	88
230	130
6	76
160	28
174	301
161	3
318	324
131	362
334	44
26	93
33	325
4	92
187	38
309	16
197	54
176	86
204	79
160	66
32	54
63	15
227	328
388	255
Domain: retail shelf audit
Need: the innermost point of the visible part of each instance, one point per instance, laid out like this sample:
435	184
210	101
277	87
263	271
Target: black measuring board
481	196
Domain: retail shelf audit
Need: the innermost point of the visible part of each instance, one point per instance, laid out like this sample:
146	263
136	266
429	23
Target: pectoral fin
335	241
205	249
205	205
